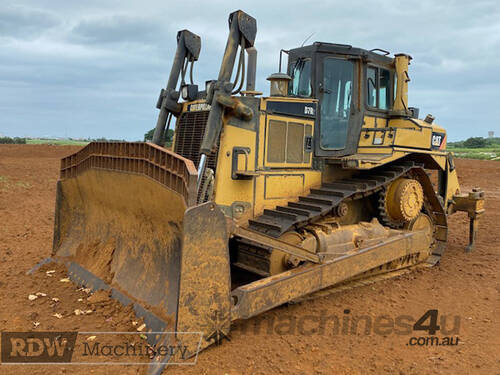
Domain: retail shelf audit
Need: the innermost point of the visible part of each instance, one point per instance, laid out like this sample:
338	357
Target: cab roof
375	55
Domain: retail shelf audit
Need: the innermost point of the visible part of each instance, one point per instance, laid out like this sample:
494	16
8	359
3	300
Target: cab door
339	121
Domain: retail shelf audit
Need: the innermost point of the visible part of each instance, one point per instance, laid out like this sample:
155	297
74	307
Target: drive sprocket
400	202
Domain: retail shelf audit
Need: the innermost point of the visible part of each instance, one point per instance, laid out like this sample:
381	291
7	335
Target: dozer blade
126	221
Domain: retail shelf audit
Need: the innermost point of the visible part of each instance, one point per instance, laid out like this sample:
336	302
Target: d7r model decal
307	110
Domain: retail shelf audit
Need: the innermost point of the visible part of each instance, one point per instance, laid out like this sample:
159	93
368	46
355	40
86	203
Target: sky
95	68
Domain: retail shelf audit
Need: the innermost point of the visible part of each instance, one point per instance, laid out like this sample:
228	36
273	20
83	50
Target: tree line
476	142
168	139
15	140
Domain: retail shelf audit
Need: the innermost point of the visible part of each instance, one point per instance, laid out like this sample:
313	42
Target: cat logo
309	111
437	140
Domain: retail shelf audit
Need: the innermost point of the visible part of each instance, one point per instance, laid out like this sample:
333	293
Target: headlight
209	85
189	92
185	92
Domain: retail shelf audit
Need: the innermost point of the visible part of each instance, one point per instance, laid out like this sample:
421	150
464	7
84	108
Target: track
327	199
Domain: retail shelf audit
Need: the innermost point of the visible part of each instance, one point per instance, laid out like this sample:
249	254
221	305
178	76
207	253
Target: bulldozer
261	200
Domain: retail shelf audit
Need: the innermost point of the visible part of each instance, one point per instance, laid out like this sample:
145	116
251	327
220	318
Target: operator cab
350	83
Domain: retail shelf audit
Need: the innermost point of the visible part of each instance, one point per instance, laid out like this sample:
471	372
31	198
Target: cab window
371	75
378	83
301	79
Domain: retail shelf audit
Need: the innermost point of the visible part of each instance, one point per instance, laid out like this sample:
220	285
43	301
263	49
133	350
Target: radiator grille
189	135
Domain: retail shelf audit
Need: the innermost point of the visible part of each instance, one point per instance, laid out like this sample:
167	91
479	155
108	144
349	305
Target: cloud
21	22
95	68
116	29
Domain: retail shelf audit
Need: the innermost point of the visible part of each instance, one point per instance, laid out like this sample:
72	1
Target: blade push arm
242	31
188	50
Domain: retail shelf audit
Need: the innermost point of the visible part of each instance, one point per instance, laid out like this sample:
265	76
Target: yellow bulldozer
262	200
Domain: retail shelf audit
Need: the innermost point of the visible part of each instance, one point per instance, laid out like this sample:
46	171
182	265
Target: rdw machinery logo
37	347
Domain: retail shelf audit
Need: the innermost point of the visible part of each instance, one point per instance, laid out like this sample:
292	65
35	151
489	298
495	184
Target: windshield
301	78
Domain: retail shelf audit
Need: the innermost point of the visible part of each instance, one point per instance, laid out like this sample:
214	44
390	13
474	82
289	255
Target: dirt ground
463	285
